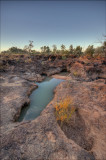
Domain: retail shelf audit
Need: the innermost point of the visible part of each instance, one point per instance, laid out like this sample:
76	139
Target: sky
52	22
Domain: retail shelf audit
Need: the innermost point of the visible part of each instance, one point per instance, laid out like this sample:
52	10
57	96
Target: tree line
77	51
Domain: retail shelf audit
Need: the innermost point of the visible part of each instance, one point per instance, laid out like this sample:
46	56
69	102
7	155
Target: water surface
39	98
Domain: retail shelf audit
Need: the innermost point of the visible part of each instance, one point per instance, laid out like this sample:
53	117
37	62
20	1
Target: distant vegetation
77	52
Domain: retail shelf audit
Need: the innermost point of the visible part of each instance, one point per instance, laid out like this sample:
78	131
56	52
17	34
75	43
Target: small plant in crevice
76	74
29	60
64	110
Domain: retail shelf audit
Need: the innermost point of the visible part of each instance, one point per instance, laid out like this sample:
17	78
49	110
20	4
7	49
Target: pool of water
39	99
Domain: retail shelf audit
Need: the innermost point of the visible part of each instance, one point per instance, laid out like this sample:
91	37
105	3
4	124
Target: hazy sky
52	22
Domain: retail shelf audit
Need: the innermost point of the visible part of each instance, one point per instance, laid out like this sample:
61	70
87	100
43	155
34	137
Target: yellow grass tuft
64	110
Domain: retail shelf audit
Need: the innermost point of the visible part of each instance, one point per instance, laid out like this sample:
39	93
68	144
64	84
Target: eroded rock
87	127
14	94
82	139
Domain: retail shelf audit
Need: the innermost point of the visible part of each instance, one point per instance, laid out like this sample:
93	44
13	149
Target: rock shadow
78	132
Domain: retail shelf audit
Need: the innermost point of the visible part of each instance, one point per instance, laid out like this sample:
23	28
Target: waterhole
39	99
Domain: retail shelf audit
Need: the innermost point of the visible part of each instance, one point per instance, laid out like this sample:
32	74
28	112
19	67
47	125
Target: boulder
77	71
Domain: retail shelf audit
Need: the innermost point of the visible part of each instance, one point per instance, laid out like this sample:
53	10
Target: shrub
64	57
64	110
90	51
78	51
29	60
76	74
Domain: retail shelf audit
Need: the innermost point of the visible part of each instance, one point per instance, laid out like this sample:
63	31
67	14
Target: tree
45	49
90	50
63	47
48	49
71	50
104	46
26	48
101	51
29	47
54	48
13	49
42	49
78	51
98	51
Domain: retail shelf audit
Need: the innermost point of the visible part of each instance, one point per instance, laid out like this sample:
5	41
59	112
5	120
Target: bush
64	57
78	51
99	52
90	51
29	60
76	74
64	110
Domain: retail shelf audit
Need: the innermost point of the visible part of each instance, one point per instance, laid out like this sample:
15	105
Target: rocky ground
43	138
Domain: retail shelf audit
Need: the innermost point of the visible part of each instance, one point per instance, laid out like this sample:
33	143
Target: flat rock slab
61	77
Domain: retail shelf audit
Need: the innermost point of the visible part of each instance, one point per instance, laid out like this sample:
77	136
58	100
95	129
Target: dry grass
64	110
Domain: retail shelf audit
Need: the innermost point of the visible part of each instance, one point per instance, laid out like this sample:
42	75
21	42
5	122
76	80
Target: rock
33	77
52	71
88	126
61	77
77	71
14	94
43	138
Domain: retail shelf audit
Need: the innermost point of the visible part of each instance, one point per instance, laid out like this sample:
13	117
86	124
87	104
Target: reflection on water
39	98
